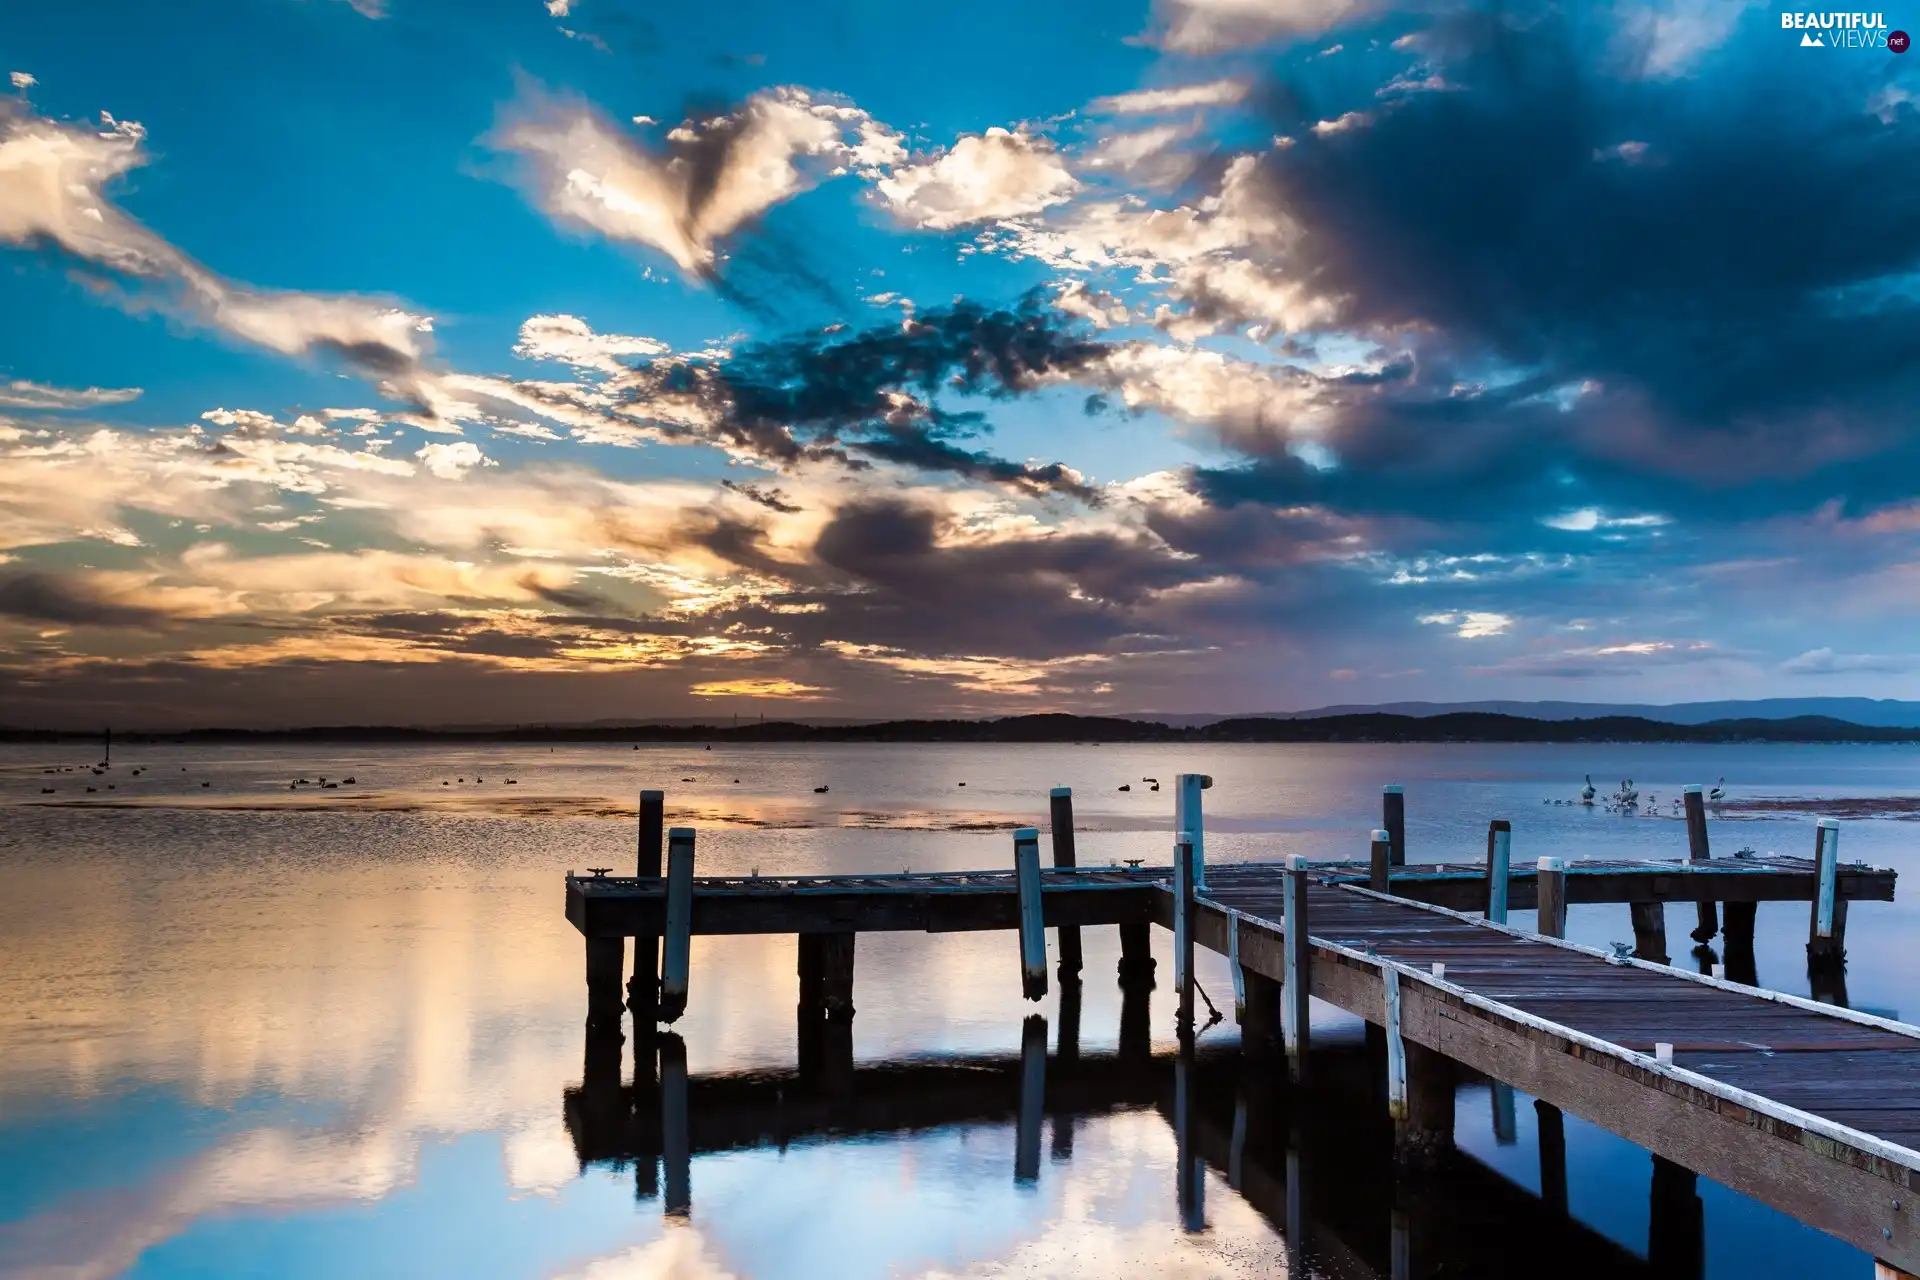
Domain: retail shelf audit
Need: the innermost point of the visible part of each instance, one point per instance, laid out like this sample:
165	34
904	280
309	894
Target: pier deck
1808	1107
940	902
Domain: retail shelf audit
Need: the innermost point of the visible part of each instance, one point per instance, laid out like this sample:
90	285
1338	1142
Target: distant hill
1370	726
1883	712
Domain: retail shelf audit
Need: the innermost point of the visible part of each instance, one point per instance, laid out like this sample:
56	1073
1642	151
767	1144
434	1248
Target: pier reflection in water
1317	1164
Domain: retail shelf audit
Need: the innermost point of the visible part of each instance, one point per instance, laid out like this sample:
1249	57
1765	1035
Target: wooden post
606	960
1295	1024
1033	932
836	953
1698	851
1183	930
1136	955
1060	816
1826	933
1393	816
1425	1137
1676	1231
1380	861
643	988
1190	821
1649	930
676	1143
1553	1156
1033	1093
1499	854
678	955
1396	1048
1550	877
1741	965
1261	1022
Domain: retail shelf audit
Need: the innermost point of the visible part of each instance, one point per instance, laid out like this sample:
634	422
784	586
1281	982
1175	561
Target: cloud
1209	26
1184	97
453	461
1825	662
53	180
873	395
21	80
570	340
710	178
1473	625
34	395
981	178
43	597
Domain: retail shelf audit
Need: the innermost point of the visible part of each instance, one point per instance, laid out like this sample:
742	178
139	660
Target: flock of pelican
1626	798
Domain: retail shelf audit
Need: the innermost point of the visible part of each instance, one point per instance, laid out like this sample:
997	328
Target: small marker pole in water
1060	814
1295	1025
1393	816
1499	854
677	961
1033	932
1551	876
1380	861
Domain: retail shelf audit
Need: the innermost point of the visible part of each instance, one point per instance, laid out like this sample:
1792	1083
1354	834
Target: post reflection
1230	1116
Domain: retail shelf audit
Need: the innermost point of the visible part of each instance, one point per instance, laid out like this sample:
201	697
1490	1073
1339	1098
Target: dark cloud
832	395
566	597
772	499
42	597
1695	316
898	575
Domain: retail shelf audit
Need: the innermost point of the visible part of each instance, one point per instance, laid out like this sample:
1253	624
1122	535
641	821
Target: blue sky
561	359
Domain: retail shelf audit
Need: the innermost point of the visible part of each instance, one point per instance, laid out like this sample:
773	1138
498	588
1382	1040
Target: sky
534	361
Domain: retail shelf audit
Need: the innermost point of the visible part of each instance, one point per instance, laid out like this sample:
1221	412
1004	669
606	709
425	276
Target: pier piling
1552	1125
1649	930
1826	932
643	989
677	958
1550	891
606	959
1297	984
1393	816
1033	933
1380	860
1699	851
1060	820
1424	1138
1183	890
1499	854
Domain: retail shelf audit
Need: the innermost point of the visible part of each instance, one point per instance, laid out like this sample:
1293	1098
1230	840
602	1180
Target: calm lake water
247	1030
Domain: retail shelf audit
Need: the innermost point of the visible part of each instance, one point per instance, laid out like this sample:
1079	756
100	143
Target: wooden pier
1808	1107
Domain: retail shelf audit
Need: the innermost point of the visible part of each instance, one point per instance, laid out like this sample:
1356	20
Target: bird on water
1719	791
1586	792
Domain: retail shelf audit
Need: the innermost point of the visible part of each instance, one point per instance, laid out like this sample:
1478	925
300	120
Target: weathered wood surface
1816	1113
968	900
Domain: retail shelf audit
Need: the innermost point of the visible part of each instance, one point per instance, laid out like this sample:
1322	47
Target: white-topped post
1189	820
1033	932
